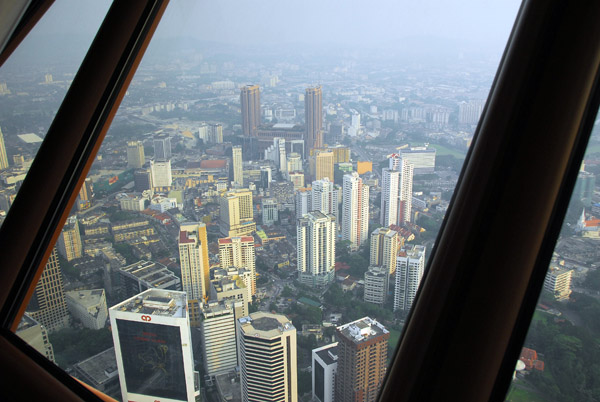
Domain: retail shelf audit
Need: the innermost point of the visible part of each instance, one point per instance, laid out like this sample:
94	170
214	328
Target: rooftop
362	330
156	302
87	298
328	353
265	325
99	368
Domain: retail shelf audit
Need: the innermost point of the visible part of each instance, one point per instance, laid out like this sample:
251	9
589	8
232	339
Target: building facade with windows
355	210
316	235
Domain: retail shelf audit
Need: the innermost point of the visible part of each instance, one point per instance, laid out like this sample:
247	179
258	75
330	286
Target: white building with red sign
153	346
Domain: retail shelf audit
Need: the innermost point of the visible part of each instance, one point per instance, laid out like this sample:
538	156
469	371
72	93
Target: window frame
446	333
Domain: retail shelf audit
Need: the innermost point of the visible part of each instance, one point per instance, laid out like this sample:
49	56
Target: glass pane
33	83
272	194
559	359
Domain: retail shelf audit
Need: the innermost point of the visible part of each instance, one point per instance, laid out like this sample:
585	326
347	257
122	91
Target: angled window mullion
486	273
49	190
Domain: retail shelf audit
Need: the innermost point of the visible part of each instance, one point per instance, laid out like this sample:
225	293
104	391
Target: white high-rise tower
238	171
355	210
396	192
409	271
316	248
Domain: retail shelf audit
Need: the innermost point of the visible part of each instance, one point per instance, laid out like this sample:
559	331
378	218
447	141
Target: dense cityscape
256	227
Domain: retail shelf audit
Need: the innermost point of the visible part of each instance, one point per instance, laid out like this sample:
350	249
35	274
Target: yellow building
237	215
322	164
364	167
193	259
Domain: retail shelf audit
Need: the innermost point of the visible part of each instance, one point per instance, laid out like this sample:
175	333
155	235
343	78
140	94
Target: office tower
270	213
203	133
88	306
294	162
267	358
313	116
85	196
324	197
469	112
303	202
160	171
409	271
355	210
36	335
135	154
193	258
236	213
324	368
153	346
316	248
69	241
215	133
219	345
250	102
277	154
143	275
376	285
238	169
558	282
233	287
162	147
238	252
362	360
396	192
47	305
3	157
384	248
321	164
265	176
142	180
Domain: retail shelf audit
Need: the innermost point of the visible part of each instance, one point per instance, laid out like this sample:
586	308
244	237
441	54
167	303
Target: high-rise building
362	360
294	162
193	258
86	194
215	133
135	154
277	154
270	213
161	173
558	282
303	202
36	335
267	358
409	271
469	112
324	367
238	252
316	235
69	241
3	157
142	180
153	346
323	164
236	213
48	305
384	248
219	344
143	275
297	146
325	197
297	179
250	102
232	286
162	147
376	285
355	210
313	115
396	192
238	169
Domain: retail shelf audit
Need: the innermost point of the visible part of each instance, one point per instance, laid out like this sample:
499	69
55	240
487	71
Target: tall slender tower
48	305
69	241
3	157
135	154
193	256
324	197
267	358
355	210
362	360
250	100
313	115
162	147
409	271
238	172
316	248
396	191
238	252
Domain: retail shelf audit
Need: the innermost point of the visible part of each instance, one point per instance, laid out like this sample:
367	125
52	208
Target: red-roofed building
214	164
530	358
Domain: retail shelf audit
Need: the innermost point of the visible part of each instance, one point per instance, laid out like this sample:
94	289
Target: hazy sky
309	21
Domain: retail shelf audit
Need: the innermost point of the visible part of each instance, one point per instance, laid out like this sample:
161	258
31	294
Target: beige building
384	248
36	336
135	154
267	358
89	307
47	305
69	241
250	102
558	282
3	157
237	215
193	258
238	252
313	113
322	164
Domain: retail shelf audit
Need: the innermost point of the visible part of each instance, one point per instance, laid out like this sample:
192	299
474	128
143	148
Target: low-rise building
88	306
